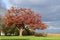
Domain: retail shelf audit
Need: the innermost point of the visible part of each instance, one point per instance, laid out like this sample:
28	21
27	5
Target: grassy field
29	38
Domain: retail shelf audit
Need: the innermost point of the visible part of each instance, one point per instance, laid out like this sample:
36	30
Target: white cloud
51	27
6	3
53	24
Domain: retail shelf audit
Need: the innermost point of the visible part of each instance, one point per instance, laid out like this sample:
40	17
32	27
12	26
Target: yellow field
54	35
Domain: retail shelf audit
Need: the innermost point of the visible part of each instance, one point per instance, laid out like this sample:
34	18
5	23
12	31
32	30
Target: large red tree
22	17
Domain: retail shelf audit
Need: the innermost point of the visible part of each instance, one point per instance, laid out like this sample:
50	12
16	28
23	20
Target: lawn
27	38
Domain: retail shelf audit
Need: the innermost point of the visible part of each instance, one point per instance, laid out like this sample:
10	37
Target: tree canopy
23	16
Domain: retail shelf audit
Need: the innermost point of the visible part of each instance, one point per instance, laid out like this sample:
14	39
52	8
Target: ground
49	37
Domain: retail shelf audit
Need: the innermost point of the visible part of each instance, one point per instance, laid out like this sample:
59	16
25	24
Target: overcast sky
49	9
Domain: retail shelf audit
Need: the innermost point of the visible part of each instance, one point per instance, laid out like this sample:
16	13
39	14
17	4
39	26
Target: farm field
49	37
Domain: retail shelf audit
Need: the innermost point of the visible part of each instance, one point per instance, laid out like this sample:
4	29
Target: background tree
9	31
22	17
1	22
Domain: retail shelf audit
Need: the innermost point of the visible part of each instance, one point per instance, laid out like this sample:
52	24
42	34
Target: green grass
27	38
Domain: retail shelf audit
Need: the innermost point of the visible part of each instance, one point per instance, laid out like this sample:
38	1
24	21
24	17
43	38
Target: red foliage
27	16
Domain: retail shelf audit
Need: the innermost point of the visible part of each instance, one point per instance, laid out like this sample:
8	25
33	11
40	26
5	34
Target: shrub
40	34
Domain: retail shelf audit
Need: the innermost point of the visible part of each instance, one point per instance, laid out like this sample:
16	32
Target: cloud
17	1
49	9
51	27
29	1
6	4
9	3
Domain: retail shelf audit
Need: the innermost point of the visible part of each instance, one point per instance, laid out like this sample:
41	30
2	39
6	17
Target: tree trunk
20	32
20	27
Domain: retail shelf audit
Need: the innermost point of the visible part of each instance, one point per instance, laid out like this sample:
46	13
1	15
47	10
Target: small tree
22	17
